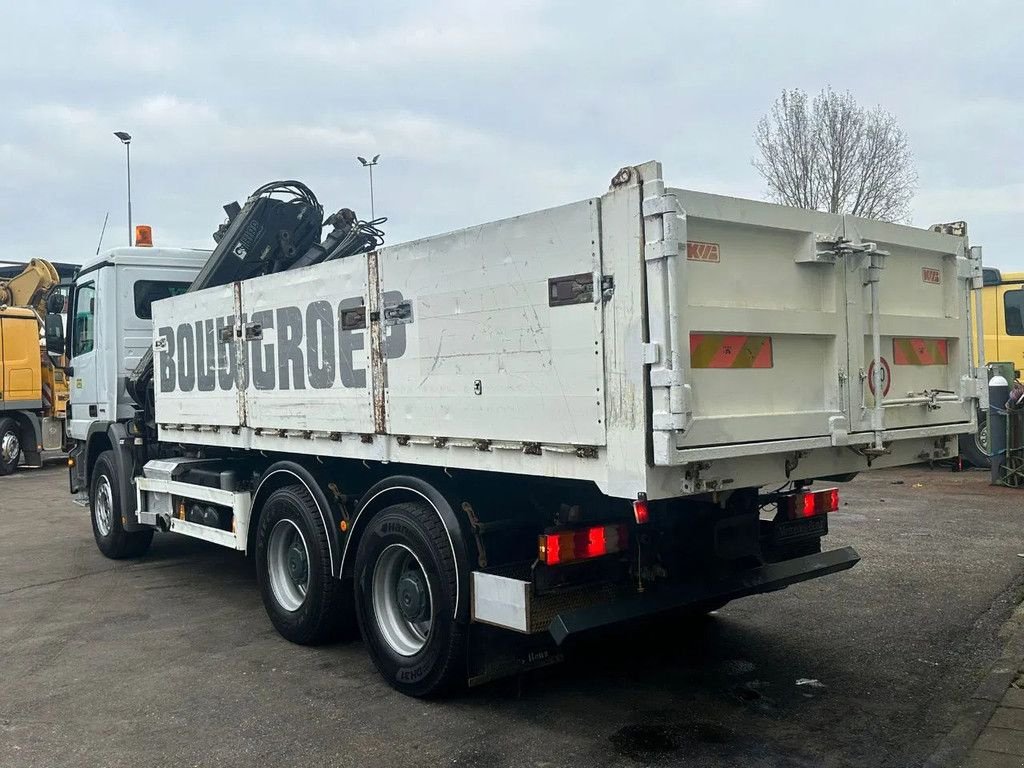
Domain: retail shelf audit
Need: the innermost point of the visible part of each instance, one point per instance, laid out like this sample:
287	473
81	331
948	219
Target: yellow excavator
33	387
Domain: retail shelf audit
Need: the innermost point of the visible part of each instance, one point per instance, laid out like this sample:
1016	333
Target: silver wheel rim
981	439
288	564
103	506
10	447
402	600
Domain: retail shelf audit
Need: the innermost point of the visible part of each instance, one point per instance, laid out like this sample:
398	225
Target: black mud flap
766	578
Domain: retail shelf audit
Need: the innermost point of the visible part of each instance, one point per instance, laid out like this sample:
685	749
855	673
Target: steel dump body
652	340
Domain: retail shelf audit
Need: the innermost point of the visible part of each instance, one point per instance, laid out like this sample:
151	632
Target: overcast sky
480	109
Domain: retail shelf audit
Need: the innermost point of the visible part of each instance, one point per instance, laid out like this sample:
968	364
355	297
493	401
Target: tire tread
329	620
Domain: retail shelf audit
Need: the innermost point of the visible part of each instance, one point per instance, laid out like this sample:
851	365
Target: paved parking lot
172	661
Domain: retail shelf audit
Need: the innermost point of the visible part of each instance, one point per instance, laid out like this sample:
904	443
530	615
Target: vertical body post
998	394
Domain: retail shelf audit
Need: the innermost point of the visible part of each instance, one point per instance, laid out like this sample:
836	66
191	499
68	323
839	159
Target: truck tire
105	507
406	582
974	448
304	601
10	445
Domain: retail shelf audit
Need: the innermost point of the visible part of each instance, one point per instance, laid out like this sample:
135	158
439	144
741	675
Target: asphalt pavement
171	661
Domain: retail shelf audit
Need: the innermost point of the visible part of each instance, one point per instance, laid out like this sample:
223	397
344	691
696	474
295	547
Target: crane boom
31	287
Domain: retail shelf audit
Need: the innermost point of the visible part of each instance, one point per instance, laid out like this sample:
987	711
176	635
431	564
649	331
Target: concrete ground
171	661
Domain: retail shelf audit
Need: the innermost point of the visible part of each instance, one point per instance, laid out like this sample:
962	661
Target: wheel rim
402	600
10	447
103	506
288	564
982	438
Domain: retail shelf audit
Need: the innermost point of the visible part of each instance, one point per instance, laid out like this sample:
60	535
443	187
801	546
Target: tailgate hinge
668	350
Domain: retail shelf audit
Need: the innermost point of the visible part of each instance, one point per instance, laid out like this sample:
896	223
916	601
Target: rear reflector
811	503
641	512
581	544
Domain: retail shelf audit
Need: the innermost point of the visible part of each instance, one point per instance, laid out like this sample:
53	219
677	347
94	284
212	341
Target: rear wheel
107	522
304	601
10	445
975	448
406	587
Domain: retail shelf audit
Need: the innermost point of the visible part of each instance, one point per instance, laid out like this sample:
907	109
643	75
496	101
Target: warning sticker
698	251
931	275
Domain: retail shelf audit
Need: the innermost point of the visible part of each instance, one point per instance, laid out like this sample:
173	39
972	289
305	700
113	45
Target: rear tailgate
924	335
768	311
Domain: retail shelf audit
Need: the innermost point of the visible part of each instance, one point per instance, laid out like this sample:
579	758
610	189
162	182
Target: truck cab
109	329
1002	313
1003	310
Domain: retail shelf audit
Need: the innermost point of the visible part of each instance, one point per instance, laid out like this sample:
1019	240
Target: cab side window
83	325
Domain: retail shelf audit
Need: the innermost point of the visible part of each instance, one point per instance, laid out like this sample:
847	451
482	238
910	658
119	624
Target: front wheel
10	445
406	583
107	521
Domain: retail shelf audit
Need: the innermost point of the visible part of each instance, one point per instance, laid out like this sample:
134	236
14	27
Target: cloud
479	110
455	32
966	202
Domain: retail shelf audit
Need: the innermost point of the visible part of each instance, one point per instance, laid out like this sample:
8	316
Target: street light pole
126	139
368	164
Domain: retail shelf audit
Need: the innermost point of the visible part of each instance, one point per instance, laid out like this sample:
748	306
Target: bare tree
832	154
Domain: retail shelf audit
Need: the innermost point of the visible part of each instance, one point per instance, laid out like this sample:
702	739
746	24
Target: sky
479	110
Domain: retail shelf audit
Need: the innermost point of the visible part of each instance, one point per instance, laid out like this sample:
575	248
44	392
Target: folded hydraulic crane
278	229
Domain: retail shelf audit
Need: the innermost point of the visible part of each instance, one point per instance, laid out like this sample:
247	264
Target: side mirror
55	304
54	334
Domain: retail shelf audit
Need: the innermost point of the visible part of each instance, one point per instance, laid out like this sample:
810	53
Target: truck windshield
148	291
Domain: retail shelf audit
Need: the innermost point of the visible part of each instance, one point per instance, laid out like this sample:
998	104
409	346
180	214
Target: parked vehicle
476	445
1002	312
33	389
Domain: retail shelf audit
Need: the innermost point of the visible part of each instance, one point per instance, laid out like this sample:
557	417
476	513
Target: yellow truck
1002	314
33	387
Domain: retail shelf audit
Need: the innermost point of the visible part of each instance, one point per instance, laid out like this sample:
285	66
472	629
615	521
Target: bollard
998	394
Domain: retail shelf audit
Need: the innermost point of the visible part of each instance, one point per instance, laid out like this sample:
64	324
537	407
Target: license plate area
786	531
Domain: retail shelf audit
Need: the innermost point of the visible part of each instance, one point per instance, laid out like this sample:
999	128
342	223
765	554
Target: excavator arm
31	287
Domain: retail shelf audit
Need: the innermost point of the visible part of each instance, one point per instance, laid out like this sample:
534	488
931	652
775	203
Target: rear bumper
766	578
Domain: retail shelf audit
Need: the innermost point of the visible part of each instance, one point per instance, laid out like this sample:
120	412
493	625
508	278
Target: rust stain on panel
376	331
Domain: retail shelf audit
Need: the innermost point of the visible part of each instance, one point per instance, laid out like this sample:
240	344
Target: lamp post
126	139
368	164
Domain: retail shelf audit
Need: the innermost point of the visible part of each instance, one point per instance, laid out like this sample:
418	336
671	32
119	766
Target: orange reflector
920	351
811	504
717	350
143	236
581	544
71	462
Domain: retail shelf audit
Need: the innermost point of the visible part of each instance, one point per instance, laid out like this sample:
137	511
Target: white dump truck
478	445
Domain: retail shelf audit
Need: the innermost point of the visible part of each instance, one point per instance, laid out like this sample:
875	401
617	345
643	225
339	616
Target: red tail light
581	544
810	503
640	511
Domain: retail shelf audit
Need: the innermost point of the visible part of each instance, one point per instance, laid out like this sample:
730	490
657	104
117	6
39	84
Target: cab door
84	392
20	384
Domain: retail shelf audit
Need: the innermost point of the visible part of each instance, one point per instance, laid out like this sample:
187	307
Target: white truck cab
110	326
